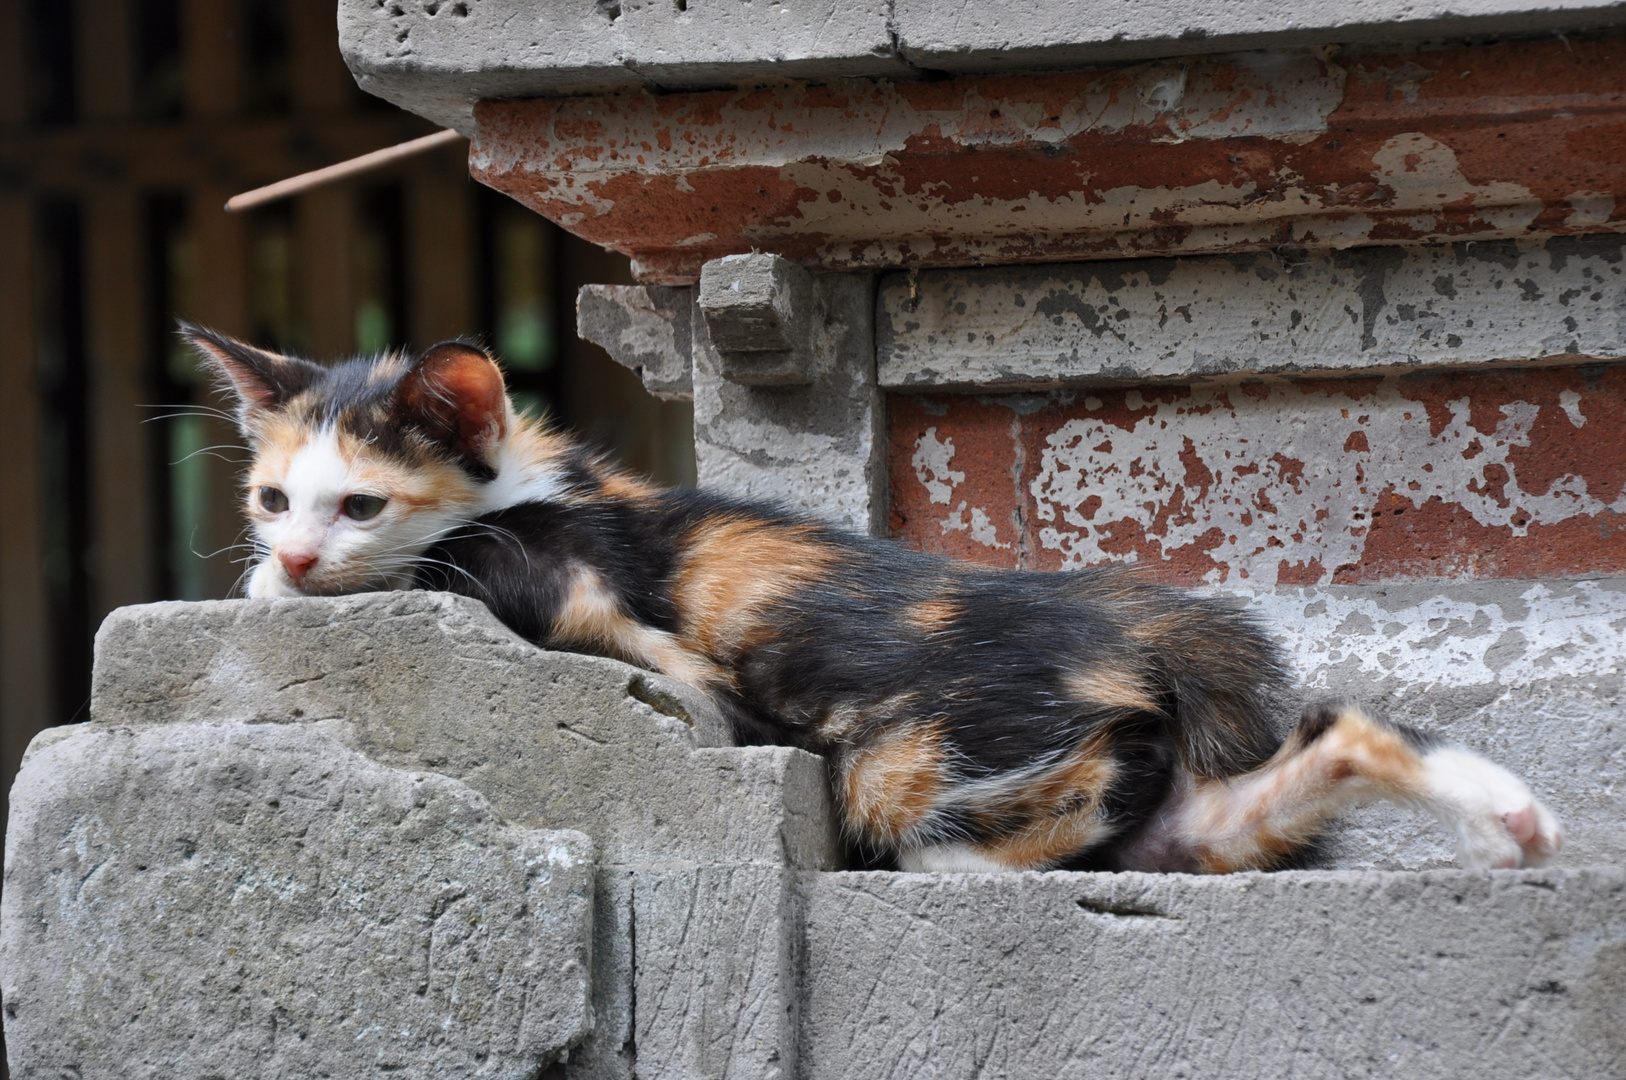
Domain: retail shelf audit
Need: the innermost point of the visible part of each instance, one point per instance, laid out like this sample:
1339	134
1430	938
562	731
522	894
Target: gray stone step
1440	975
236	900
726	939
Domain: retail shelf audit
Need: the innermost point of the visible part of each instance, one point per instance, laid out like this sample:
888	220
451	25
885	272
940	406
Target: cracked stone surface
1506	974
230	900
253	763
428	681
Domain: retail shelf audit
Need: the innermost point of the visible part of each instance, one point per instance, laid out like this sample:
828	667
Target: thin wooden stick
356	165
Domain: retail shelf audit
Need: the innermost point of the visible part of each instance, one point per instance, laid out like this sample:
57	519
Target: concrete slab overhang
438	57
1234	153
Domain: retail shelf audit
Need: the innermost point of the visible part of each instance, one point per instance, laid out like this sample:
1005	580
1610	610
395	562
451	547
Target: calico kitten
974	719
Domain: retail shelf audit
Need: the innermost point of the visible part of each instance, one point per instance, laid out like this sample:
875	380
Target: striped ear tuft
262	381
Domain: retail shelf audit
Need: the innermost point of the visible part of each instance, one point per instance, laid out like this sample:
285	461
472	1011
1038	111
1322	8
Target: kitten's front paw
1499	823
266	582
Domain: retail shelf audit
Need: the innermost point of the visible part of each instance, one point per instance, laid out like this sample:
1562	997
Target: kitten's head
359	467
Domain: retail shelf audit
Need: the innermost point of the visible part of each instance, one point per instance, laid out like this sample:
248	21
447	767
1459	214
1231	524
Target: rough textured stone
645	328
757	309
719	948
817	447
432	681
1428	976
963	35
707	1007
1141	319
420	680
438	58
206	900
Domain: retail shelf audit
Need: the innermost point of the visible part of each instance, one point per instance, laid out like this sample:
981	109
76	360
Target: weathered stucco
1137	319
1244	152
1506	473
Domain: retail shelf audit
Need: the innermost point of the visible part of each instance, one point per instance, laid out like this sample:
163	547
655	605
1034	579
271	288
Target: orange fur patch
891	785
1254	820
1115	687
591	617
1047	841
733	569
1052	815
931	616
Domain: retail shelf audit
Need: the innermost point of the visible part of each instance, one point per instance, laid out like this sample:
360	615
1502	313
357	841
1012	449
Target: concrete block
201	900
426	681
437	57
963	35
1490	976
718	986
1147	319
644	328
817	447
710	44
757	309
419	680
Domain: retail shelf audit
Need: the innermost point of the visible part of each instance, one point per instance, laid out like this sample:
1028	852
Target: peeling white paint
1426	175
1554	631
1291	481
1591	209
1570	402
931	462
1220	97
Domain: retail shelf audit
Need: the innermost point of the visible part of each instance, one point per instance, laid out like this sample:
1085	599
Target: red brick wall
1442	475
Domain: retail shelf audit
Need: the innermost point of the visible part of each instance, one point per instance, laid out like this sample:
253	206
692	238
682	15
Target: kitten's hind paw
1498	822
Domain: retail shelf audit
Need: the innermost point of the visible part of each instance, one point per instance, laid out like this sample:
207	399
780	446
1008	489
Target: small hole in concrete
681	5
610	9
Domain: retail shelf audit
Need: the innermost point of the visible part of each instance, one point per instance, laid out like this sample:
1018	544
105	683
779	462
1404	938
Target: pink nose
297	564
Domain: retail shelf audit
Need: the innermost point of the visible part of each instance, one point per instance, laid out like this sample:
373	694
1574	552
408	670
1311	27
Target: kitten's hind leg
1336	758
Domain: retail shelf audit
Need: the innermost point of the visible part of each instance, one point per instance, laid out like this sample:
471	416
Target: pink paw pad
1522	824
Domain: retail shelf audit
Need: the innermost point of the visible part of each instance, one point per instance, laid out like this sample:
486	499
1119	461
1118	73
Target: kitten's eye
362	507
273	500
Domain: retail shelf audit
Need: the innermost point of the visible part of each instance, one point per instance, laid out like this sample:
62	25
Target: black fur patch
993	677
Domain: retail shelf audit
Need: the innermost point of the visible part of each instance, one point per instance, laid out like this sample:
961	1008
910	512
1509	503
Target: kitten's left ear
263	381
456	393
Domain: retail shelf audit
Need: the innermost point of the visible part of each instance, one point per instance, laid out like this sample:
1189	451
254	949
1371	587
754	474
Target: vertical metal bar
222	302
325	223
25	661
122	491
440	249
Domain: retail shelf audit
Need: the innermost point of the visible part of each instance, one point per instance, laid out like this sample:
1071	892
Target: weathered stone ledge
330	836
437	59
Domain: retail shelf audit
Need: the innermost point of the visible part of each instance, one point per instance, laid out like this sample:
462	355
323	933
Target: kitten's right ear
261	380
